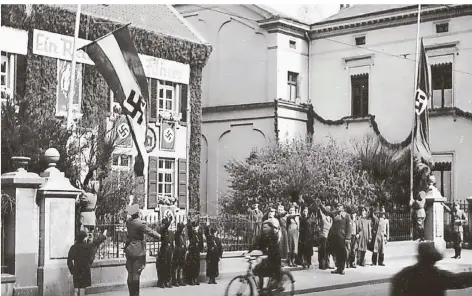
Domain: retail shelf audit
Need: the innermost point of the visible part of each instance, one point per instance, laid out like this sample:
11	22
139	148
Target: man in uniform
135	248
340	238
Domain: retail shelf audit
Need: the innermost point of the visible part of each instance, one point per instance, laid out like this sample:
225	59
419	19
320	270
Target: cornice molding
380	21
240	107
284	26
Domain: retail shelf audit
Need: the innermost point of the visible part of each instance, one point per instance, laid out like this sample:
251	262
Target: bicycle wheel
242	285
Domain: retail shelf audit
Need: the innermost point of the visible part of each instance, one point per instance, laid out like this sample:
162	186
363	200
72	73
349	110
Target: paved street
377	290
315	281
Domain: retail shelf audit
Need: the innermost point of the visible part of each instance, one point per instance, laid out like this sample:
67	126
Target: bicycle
253	282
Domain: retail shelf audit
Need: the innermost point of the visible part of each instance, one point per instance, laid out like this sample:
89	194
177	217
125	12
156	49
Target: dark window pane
442	28
360	40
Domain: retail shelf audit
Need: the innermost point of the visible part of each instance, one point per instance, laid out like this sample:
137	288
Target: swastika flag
117	60
422	150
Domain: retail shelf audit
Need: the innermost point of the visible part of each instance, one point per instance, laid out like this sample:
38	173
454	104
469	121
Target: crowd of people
343	236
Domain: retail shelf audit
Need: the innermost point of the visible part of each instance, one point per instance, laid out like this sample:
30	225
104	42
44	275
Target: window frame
442	89
441	186
292	44
173	172
437	25
360	37
10	73
119	166
292	84
352	86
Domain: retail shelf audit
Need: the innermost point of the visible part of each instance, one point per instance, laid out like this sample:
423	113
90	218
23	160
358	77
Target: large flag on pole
422	150
117	60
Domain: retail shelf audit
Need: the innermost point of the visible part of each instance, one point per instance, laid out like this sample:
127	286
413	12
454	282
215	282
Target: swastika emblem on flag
169	135
135	107
123	130
421	101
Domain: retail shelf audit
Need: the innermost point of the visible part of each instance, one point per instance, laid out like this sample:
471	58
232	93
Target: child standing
80	259
214	253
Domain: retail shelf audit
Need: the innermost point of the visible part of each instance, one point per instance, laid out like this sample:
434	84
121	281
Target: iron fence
400	225
236	234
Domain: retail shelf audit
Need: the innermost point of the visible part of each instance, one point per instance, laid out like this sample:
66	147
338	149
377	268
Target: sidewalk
315	280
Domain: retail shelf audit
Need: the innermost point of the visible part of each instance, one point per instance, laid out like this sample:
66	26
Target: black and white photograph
226	149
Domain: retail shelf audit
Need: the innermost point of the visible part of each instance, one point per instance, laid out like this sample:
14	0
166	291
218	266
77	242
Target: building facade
36	56
356	69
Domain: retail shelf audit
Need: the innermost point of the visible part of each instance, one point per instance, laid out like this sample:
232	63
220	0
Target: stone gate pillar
434	223
56	199
469	200
22	235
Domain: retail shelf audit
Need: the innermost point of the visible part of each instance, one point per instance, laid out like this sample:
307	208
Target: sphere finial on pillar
52	156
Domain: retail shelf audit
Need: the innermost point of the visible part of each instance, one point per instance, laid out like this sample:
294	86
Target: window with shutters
442	172
167	98
7	74
292	86
166	177
441	82
360	95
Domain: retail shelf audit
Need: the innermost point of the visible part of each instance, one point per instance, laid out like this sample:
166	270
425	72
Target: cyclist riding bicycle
271	266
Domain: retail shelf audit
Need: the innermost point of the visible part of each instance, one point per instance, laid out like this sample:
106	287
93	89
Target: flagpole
72	75
412	151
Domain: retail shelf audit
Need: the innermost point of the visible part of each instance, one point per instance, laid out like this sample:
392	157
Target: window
7	74
166	177
360	40
442	28
121	161
442	172
441	81
163	96
292	86
360	95
292	44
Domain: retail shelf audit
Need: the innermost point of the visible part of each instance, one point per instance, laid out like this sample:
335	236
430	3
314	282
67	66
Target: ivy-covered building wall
41	71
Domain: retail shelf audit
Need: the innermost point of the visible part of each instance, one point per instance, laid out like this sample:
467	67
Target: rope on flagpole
412	153
72	75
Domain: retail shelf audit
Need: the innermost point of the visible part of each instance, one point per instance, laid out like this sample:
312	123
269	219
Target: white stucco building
266	68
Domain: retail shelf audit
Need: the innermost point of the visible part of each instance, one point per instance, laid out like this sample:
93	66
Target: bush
279	173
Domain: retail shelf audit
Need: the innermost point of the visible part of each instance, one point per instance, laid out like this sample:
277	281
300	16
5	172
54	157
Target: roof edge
188	25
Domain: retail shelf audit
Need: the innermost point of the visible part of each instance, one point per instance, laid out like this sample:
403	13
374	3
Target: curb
459	268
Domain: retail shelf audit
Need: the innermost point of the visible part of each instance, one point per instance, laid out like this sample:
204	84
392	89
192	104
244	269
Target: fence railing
237	233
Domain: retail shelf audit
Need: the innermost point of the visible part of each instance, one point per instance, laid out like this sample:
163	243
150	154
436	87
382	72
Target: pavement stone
315	280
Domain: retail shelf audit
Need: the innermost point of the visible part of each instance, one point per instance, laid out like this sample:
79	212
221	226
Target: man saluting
135	248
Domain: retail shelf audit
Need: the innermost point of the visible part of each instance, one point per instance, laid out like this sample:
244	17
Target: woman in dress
293	227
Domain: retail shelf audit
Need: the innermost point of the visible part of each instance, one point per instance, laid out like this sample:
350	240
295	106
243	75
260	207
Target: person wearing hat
381	238
325	222
164	256
80	259
340	237
364	228
459	218
425	279
214	253
271	266
135	248
283	242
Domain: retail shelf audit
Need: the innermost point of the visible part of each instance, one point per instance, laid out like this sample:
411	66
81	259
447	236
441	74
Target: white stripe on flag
110	47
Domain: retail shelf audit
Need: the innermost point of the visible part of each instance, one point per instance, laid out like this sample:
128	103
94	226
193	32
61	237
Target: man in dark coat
178	257
135	248
80	259
193	255
340	239
306	239
164	257
214	253
425	279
